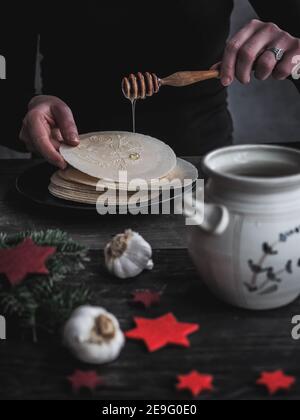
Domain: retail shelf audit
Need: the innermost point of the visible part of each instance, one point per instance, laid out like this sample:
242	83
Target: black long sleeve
18	46
286	14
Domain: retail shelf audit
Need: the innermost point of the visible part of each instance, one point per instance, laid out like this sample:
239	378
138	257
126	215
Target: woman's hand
247	51
48	123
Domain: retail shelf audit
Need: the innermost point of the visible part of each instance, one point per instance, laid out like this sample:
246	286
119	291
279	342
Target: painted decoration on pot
265	279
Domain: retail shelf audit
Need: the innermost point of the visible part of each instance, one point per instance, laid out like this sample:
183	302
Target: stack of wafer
117	167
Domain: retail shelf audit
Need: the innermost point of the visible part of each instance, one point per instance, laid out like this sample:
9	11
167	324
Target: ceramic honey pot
253	260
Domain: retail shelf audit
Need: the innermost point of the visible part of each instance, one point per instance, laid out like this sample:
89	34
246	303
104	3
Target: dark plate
33	186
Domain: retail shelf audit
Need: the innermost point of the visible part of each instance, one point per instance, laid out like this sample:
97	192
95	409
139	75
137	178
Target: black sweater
88	49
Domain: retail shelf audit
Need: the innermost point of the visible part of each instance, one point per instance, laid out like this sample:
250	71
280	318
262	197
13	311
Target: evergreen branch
45	301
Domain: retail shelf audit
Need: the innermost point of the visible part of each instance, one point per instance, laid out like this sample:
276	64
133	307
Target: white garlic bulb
128	255
93	335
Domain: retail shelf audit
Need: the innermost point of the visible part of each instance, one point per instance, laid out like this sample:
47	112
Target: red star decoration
26	258
276	381
147	298
158	333
89	380
195	382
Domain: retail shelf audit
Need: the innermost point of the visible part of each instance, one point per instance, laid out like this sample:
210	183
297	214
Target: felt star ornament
89	380
26	258
276	381
158	333
195	382
147	298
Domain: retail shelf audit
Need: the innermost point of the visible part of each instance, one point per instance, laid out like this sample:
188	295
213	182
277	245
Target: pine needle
45	302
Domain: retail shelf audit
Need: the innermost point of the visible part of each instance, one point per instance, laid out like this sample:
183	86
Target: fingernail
226	81
74	139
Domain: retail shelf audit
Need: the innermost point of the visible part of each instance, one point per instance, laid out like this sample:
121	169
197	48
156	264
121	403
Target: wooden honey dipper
142	85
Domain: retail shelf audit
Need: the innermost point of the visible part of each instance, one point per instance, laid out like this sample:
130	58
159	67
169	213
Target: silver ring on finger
278	52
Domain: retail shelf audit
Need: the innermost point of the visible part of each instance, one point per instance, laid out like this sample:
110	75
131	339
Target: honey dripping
133	110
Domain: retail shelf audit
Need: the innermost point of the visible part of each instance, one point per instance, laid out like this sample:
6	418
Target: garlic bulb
128	255
93	335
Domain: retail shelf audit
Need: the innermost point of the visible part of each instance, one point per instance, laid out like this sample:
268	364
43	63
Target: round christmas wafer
104	155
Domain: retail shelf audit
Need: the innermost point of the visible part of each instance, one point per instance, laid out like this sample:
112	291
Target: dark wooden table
233	345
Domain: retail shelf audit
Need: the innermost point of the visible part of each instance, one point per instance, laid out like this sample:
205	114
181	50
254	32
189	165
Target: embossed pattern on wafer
104	155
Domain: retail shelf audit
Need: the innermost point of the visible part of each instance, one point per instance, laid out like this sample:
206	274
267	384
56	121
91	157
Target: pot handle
216	219
211	218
